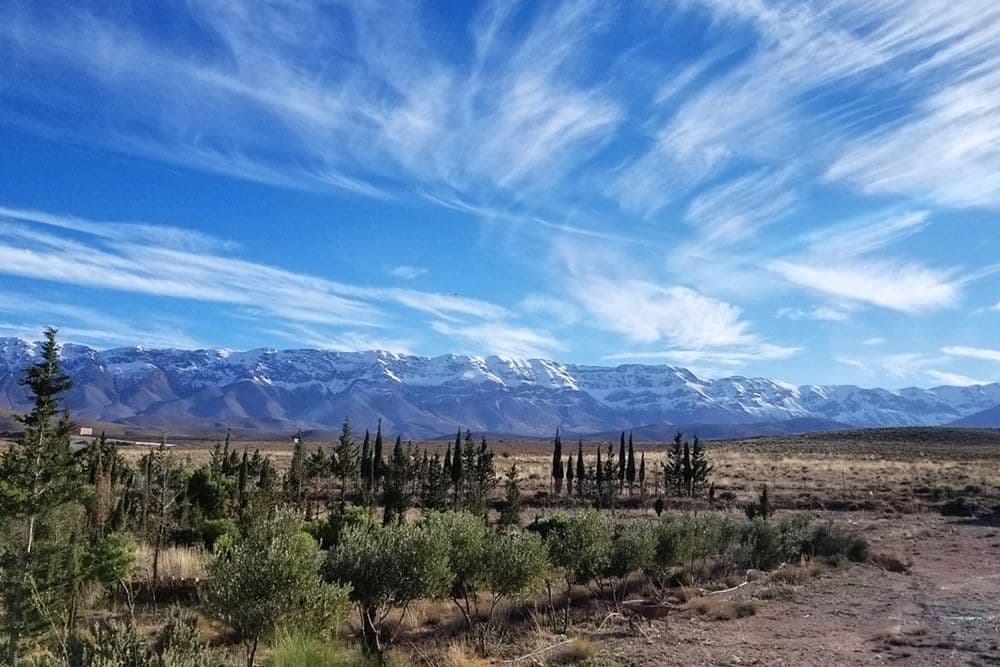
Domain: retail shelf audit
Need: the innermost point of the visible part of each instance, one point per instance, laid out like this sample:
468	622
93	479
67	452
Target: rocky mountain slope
423	397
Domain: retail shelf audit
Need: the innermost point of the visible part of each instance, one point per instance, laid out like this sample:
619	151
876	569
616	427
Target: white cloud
873	341
982	353
501	338
708	359
99	262
406	272
822	313
908	288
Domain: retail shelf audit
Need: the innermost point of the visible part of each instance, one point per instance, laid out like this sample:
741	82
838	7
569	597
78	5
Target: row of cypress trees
686	470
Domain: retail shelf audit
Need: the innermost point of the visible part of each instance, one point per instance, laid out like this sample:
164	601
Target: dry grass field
904	470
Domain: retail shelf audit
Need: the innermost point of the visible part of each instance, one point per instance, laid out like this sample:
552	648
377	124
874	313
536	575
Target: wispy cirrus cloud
838	261
981	353
94	258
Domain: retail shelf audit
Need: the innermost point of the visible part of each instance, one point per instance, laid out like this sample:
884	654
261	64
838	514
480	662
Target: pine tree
701	469
510	510
687	471
557	465
345	459
40	483
673	466
630	465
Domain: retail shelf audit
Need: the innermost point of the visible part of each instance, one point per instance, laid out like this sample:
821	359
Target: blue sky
801	190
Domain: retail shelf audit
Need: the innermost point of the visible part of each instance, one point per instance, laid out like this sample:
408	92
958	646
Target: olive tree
269	578
388	568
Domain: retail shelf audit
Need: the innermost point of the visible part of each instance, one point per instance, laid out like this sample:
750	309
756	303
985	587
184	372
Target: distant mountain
988	418
281	390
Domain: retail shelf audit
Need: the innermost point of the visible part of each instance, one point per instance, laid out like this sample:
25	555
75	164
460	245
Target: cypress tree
447	463
366	463
581	471
642	473
569	474
295	478
456	468
242	497
378	463
621	461
630	465
557	464
345	458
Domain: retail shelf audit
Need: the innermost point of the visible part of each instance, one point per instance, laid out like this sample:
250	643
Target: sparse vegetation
268	554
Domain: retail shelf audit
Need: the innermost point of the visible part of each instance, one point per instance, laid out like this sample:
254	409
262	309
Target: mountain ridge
428	396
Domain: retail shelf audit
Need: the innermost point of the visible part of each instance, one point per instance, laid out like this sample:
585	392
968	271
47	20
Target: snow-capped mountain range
423	397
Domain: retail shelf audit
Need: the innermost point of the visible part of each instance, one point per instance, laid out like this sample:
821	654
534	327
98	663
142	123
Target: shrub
270	578
836	544
633	549
582	546
762	545
466	538
388	567
111	559
517	565
119	644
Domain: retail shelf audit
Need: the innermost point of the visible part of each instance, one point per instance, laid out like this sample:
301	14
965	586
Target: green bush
836	544
270	578
761	545
518	564
581	547
389	567
111	559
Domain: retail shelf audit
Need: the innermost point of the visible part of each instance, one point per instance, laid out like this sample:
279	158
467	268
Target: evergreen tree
243	492
297	475
510	510
570	473
701	469
581	471
456	469
687	471
40	484
396	496
642	474
345	459
621	462
378	463
435	496
673	466
366	463
630	465
557	465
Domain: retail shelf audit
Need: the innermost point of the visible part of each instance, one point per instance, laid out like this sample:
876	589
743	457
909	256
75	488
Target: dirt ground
945	611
